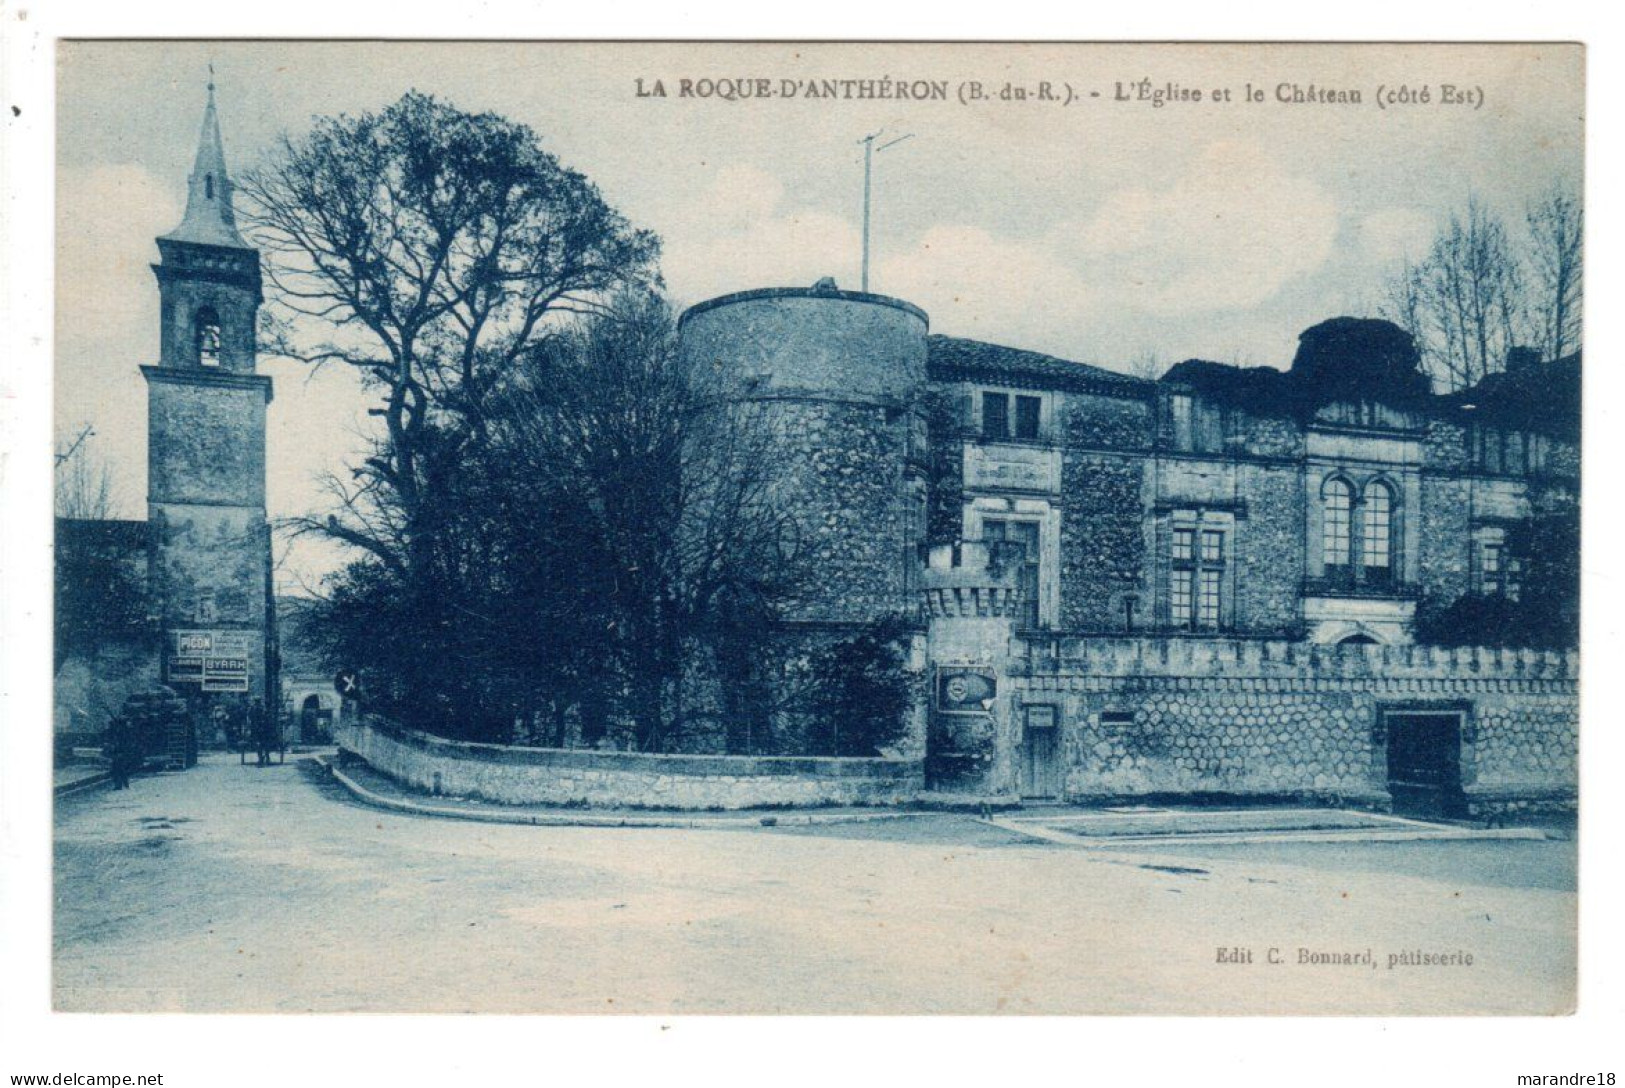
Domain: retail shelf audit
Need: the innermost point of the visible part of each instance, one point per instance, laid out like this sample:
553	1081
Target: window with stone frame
1377	533
1336	529
1181	410
1196	578
1029	411
1008	416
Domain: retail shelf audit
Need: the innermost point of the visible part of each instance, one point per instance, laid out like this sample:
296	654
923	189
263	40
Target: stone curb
1249	838
85	783
495	815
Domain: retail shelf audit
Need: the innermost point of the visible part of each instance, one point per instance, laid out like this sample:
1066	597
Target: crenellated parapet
969	581
1258	659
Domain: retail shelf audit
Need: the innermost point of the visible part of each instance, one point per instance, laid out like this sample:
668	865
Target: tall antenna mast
85	433
869	153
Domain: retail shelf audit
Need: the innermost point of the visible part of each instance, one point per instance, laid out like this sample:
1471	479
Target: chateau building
1207	584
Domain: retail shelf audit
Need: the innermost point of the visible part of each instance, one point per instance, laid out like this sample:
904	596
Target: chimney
1522	359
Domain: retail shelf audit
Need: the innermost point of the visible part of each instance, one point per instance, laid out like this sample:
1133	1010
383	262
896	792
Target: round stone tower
837	376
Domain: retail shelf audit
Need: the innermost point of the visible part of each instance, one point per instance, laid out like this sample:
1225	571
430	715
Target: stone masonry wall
1146	717
1444	531
548	776
1269	549
1113	422
207	443
1102	540
845	463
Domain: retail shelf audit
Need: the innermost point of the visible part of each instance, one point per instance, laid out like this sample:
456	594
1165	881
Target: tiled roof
953	357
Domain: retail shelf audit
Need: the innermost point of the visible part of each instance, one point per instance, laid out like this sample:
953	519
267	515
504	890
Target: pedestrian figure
120	750
260	722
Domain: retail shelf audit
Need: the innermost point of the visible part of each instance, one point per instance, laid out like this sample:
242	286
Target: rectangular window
1208	615
1209	428
1179	600
995	415
1537	453
1116	719
1489	569
1212	546
1179	407
1027	416
1196	580
1514	453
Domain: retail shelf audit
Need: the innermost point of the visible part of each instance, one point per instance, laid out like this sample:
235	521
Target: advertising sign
965	690
218	660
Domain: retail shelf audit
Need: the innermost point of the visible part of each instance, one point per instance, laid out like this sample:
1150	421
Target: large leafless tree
1484	288
429	249
1556	229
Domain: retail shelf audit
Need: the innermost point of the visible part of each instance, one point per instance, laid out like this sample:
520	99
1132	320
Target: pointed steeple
209	219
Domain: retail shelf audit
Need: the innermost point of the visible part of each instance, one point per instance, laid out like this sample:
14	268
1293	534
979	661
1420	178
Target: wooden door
1040	754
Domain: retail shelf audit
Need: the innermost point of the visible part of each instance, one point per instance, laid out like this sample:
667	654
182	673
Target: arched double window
208	336
1377	532
1336	538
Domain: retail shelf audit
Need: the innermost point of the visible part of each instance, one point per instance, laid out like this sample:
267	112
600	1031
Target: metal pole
868	159
87	432
869	150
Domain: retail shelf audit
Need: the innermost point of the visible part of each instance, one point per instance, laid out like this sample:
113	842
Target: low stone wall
1154	717
554	776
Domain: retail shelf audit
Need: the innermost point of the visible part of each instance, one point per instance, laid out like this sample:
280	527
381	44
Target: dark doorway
1424	762
1040	754
315	724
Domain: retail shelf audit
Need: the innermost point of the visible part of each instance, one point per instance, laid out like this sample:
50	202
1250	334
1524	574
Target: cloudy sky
1103	231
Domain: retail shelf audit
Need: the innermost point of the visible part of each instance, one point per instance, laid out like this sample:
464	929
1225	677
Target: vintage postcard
783	528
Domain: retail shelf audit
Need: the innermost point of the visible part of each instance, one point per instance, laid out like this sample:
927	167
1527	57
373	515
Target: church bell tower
210	558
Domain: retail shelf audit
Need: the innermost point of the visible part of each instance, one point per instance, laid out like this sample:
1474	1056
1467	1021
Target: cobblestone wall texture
1269	549
1444	533
1102	539
1211	717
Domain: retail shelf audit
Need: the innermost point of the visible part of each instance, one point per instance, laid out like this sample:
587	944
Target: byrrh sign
216	660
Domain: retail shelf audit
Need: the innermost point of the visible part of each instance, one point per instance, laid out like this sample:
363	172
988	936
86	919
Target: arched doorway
1358	640
315	722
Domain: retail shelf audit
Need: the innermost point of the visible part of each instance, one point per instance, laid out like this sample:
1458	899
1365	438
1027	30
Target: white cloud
1226	234
1395	233
974	283
107	217
740	234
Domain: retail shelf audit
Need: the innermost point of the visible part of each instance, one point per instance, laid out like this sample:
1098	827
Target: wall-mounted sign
217	660
965	690
211	643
